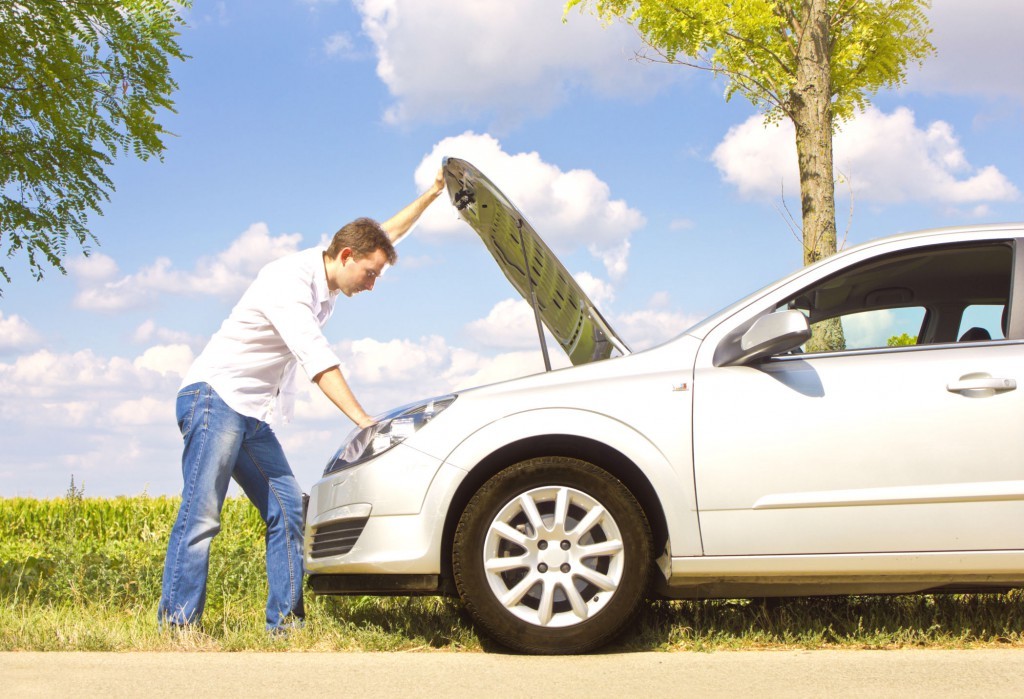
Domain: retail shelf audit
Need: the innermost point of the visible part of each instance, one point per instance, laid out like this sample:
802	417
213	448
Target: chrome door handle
980	386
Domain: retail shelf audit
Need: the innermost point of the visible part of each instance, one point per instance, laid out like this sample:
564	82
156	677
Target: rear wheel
552	555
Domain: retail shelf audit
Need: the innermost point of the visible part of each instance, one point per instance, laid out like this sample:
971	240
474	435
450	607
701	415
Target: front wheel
552	555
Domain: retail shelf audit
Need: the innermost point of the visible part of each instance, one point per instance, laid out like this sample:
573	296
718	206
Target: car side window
887	327
982	322
932	295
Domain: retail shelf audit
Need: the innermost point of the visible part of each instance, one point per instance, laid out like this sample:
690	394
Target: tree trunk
811	111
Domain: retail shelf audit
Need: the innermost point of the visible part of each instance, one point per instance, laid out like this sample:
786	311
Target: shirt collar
323	292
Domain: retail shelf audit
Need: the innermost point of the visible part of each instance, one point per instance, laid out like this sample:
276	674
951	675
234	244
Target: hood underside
558	301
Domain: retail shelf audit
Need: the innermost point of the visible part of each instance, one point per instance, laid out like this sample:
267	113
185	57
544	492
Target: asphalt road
899	673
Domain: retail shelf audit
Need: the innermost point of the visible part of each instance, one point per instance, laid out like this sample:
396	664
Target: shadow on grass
823	622
938	621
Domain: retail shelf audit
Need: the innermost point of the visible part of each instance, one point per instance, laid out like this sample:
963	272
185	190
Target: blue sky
295	116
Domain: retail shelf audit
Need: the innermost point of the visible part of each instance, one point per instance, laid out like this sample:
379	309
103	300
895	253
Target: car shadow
797	375
867	621
872	621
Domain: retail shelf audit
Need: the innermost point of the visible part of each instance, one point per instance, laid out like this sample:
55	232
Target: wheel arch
579	447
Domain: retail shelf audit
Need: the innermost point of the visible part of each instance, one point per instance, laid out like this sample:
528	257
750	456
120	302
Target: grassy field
84	574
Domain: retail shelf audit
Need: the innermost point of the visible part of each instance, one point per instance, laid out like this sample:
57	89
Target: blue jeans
221	444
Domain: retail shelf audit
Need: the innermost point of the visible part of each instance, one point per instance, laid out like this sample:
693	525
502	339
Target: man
241	380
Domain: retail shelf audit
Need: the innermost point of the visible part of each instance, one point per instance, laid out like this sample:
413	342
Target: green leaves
873	43
754	43
903	340
81	84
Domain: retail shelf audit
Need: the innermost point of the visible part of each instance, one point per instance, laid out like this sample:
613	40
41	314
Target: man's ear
345	255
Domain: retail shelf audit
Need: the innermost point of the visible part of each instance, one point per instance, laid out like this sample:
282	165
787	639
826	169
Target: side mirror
770	334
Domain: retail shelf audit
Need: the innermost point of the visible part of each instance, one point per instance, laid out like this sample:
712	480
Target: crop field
81	573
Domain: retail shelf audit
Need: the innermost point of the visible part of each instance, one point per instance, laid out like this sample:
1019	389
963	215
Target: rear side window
982	322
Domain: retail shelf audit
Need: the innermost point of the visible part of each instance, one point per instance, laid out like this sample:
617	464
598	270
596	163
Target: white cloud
569	209
105	420
505	367
510	60
597	290
85	378
166	360
395	360
147	410
874	328
149	331
387	374
95	268
16	334
659	299
882	157
510	325
225	274
71	413
979	51
215	13
384	374
339	45
316	441
647	328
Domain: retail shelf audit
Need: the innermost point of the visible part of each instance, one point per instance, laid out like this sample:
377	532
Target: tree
902	340
81	82
815	62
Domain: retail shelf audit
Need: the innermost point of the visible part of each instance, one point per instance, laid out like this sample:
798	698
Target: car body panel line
829	566
962	492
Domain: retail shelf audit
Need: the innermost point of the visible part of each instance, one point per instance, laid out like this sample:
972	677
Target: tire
538	582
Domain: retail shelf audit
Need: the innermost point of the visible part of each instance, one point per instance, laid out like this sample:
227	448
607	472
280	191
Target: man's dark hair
364	236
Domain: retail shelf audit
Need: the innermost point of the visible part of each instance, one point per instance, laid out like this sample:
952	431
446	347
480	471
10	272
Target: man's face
357	274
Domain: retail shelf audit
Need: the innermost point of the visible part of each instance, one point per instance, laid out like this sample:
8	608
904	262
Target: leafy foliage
903	340
81	82
755	43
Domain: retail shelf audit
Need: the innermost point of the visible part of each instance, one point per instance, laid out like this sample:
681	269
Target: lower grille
337	538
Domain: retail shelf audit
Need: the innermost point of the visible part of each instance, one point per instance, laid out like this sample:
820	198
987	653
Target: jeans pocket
185	407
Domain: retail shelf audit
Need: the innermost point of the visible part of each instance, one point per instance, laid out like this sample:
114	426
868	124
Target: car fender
673	485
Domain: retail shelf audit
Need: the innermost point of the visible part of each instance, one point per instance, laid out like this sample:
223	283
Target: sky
293	117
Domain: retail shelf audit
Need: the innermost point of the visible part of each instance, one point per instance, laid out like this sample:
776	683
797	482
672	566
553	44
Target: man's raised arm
398	225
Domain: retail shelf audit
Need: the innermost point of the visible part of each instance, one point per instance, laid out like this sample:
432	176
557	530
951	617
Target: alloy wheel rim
553	556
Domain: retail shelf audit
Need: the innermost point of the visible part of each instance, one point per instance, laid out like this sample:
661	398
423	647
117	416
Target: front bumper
377	585
384	517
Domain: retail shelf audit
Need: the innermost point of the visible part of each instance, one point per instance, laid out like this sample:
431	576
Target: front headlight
392	428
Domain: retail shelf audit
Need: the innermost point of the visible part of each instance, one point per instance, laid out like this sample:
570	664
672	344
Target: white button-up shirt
276	325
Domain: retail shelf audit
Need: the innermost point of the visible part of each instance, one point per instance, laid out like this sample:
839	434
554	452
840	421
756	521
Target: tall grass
82	573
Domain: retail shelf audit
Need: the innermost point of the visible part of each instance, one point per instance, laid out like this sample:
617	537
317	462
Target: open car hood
557	300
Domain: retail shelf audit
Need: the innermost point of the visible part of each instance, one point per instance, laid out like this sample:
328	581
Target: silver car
739	459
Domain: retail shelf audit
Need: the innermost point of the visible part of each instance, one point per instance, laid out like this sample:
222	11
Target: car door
882	445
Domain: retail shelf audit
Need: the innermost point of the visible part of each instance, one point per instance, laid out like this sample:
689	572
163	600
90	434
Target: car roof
893	243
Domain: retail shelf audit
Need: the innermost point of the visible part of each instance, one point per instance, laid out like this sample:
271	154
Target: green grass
84	574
